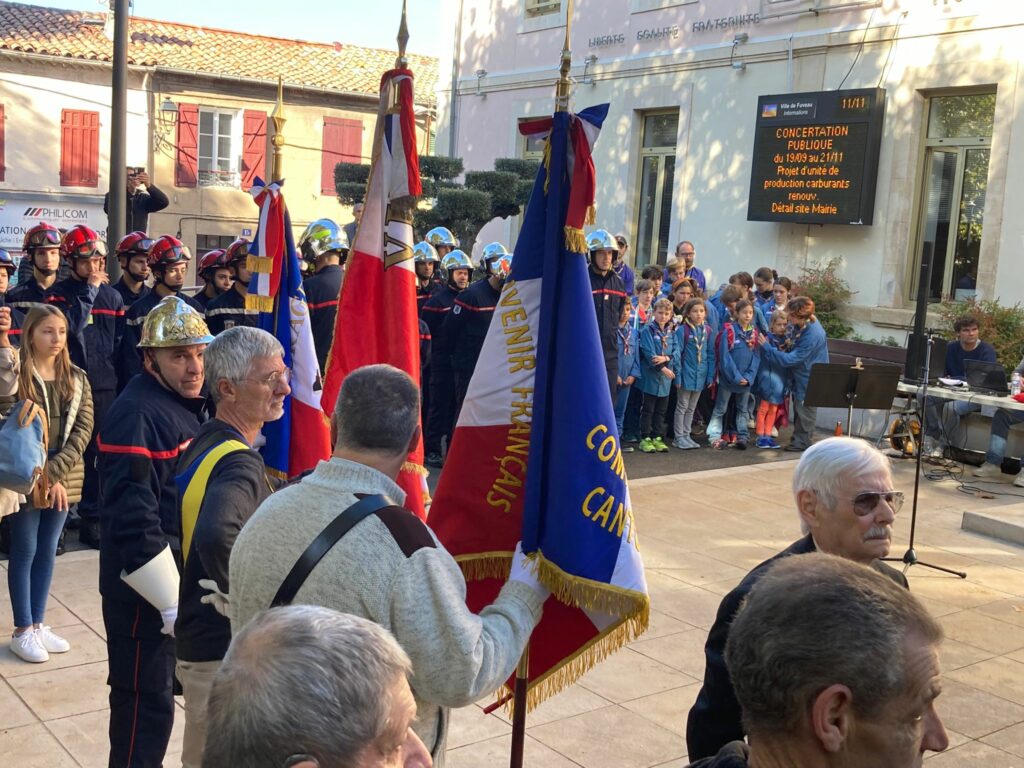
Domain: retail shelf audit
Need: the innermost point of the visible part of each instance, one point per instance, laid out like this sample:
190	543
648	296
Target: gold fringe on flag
259	303
485	565
418	469
575	240
262	264
547	162
586	593
591	215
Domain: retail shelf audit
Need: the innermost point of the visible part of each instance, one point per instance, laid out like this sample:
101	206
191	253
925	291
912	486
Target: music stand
837	385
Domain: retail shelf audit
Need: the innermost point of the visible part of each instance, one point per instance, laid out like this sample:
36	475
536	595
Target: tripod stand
910	556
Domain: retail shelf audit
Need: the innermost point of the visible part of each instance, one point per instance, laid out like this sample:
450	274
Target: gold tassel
588	594
262	264
591	215
575	240
547	163
416	469
485	565
259	303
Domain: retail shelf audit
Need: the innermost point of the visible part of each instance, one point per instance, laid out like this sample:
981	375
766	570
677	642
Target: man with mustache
846	503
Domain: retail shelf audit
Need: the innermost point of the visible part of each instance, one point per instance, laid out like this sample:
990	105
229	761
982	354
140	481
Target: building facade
683	79
199	106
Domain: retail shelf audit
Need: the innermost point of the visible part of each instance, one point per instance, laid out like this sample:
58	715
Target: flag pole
562	91
278	118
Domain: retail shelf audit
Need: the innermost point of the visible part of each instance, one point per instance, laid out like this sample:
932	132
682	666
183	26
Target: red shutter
186	169
3	154
254	147
79	148
343	143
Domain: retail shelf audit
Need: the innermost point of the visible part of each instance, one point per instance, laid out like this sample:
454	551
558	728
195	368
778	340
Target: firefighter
466	325
131	251
214	271
426	262
443	240
228	309
42	249
148	426
609	298
168	261
324	246
8	268
96	315
456	268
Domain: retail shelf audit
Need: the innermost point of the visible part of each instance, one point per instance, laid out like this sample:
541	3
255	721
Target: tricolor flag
300	438
535	454
377	320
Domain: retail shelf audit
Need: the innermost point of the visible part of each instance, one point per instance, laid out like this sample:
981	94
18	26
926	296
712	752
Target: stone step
1005	523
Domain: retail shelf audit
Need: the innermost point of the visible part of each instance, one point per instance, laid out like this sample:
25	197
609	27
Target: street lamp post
117	199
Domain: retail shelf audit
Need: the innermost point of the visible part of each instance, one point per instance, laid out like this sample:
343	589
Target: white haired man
308	687
834	665
846	504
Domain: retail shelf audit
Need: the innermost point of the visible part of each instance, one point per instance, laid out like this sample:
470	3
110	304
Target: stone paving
700	533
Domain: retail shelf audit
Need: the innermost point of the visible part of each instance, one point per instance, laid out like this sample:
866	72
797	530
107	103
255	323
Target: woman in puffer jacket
47	378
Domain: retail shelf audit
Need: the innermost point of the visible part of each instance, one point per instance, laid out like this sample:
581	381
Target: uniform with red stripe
609	299
42	252
324	246
228	309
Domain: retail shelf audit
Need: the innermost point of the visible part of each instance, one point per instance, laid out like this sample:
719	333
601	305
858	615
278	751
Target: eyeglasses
865	503
275	378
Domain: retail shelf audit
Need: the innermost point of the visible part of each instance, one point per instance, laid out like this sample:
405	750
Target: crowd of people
155	402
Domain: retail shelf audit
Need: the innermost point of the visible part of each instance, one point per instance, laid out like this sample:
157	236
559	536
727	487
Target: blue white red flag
300	438
536	456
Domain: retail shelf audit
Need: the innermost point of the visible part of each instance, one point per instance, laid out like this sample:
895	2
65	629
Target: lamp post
117	199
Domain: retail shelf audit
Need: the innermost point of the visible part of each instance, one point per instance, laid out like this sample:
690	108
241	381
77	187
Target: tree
463	208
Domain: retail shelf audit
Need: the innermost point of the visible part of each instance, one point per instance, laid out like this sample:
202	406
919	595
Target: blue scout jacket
738	357
656	341
697	356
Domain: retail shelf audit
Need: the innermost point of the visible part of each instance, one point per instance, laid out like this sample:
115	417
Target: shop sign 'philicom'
816	157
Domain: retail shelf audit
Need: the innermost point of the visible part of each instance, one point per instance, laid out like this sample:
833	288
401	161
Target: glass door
654	192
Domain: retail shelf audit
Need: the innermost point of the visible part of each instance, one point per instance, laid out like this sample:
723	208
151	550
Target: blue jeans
942	427
1001	424
742	400
34	534
621	400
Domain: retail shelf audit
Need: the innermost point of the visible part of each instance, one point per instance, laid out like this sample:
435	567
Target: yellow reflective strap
196	490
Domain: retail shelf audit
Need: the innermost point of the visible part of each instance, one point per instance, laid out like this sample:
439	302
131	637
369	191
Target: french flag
535	454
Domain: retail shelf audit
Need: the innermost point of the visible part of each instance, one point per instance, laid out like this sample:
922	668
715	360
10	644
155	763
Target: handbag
24	447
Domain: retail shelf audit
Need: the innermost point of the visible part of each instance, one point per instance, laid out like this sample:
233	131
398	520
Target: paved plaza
700	533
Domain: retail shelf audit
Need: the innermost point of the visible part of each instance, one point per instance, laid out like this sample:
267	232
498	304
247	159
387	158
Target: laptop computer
989	378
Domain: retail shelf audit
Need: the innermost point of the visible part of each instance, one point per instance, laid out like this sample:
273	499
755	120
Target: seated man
834	665
968	346
304	686
844	498
1001	423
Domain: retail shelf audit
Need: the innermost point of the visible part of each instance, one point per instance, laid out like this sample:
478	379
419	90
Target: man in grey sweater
389	568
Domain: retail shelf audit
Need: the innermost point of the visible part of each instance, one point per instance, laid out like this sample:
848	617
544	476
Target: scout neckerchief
698	338
624	333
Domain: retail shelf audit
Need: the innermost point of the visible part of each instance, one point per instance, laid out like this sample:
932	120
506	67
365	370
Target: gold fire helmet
173	323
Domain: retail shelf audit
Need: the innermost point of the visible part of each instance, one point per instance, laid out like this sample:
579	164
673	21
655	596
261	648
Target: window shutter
3	154
186	169
254	146
79	148
343	143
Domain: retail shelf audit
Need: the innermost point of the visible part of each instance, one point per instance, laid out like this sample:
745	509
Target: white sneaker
1019	480
52	642
751	423
775	432
28	647
989	471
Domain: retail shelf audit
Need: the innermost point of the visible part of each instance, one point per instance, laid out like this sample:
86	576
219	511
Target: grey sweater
390	569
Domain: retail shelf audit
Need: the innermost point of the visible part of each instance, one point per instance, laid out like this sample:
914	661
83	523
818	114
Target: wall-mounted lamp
588	76
166	116
735	63
480	75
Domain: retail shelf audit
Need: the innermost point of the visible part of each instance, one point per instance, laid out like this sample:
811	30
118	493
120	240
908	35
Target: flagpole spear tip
564	84
278	118
403	40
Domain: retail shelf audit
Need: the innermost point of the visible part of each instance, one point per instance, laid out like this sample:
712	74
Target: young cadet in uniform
324	246
609	297
95	314
456	268
466	325
131	251
443	240
214	272
8	268
42	247
426	262
150	423
228	310
168	261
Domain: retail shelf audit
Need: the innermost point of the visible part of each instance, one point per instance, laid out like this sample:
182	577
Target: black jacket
227	311
435	310
202	299
127	296
26	293
422	294
18	319
322	291
95	325
138	207
715	717
735	754
237	485
466	325
609	298
140	440
129	356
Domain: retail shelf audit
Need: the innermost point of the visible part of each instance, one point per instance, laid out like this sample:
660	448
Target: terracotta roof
79	35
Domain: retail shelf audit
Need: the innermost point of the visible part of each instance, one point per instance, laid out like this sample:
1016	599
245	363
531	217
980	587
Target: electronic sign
816	157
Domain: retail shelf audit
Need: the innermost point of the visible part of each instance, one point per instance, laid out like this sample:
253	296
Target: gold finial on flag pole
564	83
278	118
403	40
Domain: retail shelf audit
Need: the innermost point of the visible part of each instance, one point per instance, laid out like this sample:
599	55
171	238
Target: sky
372	23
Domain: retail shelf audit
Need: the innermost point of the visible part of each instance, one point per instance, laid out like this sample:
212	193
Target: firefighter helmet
173	323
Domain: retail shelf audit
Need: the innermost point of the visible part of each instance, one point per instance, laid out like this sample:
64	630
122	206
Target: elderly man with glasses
846	504
221	482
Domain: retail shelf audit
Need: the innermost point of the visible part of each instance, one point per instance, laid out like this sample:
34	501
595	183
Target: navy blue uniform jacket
466	325
144	433
95	325
227	311
322	291
127	296
435	311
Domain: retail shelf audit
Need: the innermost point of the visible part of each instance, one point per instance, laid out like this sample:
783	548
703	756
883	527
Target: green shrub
999	325
830	292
